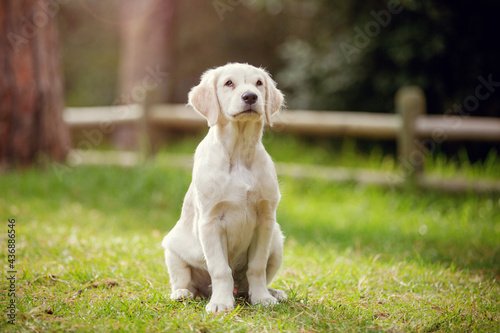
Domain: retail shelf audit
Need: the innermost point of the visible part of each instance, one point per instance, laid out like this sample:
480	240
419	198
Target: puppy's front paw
280	295
181	295
213	307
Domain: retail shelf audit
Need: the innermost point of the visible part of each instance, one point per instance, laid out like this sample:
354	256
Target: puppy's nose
249	97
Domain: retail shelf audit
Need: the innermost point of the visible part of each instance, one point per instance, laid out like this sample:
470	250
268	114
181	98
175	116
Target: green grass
357	258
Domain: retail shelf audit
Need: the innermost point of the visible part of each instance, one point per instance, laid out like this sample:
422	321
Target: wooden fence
417	134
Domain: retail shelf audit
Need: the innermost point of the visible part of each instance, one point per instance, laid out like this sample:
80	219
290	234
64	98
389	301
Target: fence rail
410	126
459	128
81	117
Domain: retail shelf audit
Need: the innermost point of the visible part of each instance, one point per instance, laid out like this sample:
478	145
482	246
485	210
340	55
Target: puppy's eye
259	83
229	83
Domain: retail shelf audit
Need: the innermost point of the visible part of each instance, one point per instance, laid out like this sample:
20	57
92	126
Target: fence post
410	104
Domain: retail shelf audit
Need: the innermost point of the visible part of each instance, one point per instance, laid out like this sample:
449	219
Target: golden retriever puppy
227	240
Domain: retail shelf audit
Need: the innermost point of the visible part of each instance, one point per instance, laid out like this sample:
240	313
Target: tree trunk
147	37
31	92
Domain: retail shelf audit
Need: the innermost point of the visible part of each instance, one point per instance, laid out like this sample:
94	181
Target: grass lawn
357	258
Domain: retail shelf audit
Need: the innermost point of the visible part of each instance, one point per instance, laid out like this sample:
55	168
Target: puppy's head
236	92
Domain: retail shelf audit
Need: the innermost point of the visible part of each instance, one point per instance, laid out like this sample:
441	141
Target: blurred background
442	46
324	55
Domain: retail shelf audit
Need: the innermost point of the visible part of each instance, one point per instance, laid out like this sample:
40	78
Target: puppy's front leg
258	255
214	244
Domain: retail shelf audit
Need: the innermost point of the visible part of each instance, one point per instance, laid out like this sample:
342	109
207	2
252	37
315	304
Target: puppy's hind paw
181	295
280	295
264	300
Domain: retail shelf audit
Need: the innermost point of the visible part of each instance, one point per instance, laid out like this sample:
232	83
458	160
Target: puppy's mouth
249	111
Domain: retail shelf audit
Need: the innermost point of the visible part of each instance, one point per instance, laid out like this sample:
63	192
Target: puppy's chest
245	191
243	195
243	183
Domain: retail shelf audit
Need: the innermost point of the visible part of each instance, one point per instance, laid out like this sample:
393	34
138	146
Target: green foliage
359	54
356	258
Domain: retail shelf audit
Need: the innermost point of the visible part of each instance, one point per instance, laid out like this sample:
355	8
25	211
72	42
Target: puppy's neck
240	140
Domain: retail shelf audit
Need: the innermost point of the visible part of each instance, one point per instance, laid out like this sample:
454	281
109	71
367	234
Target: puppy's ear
274	99
203	98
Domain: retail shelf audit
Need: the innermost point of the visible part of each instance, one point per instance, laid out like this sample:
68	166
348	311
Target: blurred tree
31	124
212	33
90	51
205	37
147	38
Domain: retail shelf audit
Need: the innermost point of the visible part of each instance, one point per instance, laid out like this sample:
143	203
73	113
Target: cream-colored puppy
227	240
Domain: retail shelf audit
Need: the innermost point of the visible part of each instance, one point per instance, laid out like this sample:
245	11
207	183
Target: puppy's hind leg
180	276
274	263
